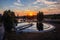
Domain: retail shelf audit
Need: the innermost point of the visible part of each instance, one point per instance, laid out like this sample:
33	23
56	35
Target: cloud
18	4
36	6
55	6
39	4
49	2
1	11
58	4
44	2
19	12
36	1
52	0
18	1
50	10
11	6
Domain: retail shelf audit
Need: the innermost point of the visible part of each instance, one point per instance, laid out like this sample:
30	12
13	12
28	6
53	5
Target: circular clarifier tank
46	27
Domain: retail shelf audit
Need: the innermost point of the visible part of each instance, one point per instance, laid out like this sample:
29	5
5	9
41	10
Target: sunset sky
24	7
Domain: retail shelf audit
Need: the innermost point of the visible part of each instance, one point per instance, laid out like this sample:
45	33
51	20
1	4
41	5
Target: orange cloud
30	12
1	11
19	12
26	12
50	11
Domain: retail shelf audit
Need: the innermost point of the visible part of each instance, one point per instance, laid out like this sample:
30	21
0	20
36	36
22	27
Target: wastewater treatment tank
31	27
28	31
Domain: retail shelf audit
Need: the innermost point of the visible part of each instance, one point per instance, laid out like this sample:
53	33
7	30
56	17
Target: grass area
31	36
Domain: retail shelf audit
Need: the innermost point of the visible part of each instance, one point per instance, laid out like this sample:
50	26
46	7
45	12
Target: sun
30	14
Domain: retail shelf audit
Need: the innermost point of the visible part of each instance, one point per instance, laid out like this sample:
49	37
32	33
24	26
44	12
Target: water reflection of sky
46	27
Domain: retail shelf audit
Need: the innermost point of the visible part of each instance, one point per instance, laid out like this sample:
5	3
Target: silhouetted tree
39	20
0	18
8	20
14	20
40	16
